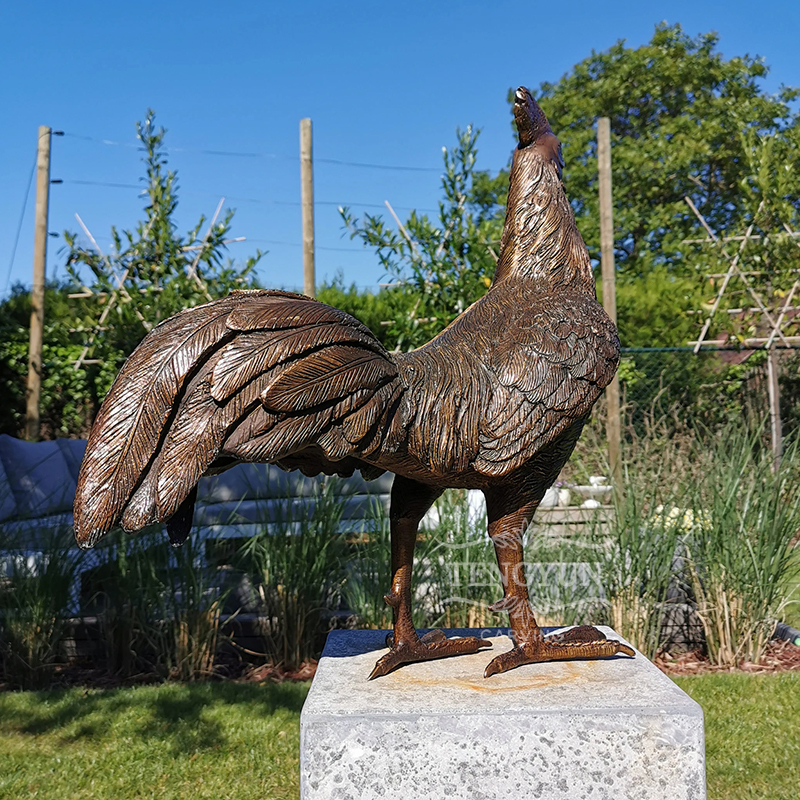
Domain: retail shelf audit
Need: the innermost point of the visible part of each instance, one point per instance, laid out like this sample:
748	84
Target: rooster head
534	129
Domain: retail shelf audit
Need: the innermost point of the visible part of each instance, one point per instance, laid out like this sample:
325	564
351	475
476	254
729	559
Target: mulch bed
66	676
269	674
779	657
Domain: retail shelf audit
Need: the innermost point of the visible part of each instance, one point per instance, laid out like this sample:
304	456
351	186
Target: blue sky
385	84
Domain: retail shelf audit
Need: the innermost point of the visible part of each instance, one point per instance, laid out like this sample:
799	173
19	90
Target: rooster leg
410	502
530	645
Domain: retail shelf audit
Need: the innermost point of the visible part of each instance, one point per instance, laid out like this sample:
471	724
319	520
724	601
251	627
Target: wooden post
37	292
307	199
613	422
776	432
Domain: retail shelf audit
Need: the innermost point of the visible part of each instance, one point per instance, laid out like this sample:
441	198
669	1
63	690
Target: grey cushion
8	506
285	510
39	476
73	450
265	481
38	533
40	480
254	481
243	511
357	485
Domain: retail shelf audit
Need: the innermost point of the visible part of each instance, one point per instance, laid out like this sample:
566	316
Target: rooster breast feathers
510	376
255	376
549	366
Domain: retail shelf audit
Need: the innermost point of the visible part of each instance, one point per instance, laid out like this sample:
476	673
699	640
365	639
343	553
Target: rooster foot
581	642
433	644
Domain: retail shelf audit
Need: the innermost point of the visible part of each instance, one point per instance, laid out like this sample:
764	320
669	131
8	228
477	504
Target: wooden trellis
775	317
121	290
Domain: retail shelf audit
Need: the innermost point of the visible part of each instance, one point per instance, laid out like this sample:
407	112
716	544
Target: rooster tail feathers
253	376
136	410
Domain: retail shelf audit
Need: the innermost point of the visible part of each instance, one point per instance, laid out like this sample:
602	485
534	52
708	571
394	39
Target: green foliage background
685	121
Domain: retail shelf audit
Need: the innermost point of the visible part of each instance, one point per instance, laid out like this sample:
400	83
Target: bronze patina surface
495	402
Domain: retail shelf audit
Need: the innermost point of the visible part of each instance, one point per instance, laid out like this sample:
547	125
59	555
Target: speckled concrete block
616	728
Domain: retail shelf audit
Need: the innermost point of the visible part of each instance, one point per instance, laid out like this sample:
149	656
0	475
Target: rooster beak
522	95
530	119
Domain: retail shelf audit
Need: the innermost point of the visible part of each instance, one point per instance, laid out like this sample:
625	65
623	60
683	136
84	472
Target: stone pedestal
616	728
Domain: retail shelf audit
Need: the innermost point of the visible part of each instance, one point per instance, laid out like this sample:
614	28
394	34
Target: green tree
658	309
154	270
66	397
152	273
441	266
683	122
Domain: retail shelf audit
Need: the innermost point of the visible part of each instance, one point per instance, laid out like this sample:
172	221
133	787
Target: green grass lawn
173	741
241	741
752	734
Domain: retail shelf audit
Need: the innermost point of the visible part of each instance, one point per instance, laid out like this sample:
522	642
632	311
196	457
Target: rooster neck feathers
540	242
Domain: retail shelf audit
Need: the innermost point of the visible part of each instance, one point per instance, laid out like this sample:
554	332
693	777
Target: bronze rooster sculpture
495	402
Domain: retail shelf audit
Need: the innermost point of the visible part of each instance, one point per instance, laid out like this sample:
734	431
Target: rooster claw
432	645
576	643
435	635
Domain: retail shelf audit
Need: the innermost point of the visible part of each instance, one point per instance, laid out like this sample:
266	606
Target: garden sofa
37	490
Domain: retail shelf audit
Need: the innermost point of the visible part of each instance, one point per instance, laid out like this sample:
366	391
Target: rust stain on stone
569	673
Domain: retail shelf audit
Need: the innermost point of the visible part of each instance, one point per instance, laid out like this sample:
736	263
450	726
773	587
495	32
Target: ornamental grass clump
636	569
740	555
158	608
367	567
119	588
35	599
457	573
563	578
636	547
294	566
191	602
